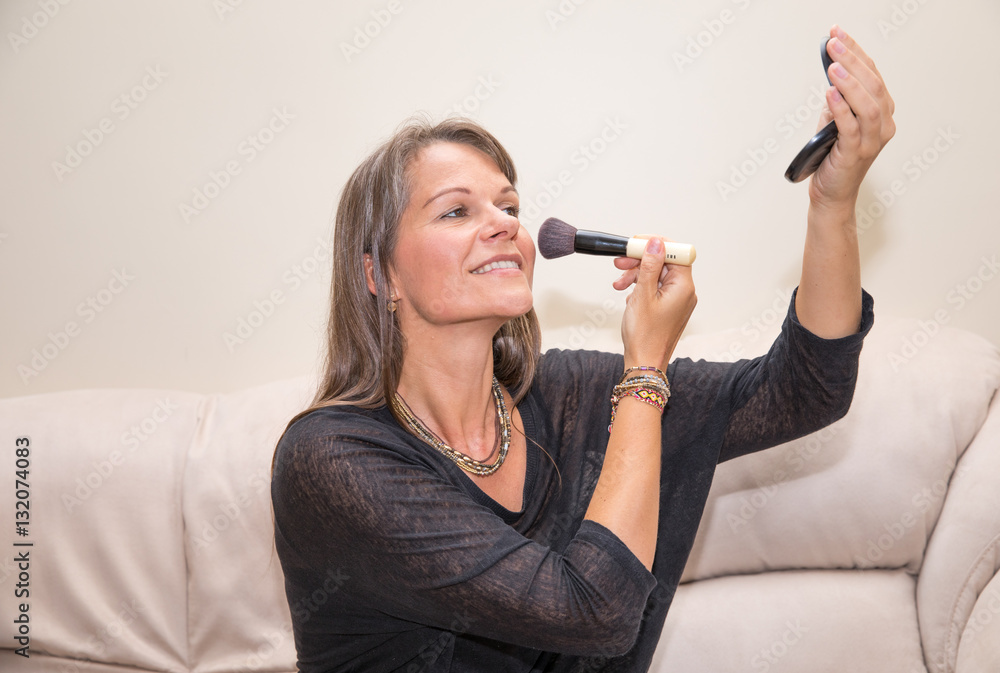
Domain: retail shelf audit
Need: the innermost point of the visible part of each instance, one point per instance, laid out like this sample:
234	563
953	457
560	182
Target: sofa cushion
239	617
815	621
108	574
40	663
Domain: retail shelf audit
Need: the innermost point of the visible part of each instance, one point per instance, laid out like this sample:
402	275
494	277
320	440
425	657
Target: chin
519	308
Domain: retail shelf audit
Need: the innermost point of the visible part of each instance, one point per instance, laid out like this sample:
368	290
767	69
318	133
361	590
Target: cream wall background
169	169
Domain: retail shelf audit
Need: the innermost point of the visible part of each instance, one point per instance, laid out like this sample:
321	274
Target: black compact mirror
811	156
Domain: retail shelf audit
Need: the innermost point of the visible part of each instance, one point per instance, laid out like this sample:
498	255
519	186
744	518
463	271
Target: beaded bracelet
644	381
654	398
642	369
649	396
653	390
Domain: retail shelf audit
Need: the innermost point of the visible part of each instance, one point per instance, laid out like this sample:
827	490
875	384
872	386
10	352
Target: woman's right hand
659	307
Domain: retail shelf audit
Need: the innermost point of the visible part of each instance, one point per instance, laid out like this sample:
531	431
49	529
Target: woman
476	503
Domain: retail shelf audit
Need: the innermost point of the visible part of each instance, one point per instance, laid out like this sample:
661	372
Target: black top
395	560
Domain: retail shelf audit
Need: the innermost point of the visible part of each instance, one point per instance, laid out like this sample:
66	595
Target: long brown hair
364	354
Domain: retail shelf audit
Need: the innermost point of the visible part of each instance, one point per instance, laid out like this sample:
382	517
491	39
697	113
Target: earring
392	305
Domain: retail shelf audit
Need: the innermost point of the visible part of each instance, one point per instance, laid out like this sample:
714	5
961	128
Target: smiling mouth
496	265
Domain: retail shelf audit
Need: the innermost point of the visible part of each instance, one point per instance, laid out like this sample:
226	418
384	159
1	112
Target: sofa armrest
979	648
958	592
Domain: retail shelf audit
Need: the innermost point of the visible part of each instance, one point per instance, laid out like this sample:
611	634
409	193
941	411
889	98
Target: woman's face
461	255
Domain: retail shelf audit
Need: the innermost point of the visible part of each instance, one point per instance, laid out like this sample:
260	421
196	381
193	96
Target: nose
501	224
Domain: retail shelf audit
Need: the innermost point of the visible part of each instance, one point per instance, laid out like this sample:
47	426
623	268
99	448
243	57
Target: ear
370	273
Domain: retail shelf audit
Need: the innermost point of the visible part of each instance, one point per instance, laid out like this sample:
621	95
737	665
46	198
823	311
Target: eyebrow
464	190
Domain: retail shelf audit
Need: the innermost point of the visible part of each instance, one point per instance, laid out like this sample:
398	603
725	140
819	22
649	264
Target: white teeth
496	265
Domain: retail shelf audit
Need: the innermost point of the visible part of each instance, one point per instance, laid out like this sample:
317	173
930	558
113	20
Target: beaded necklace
470	465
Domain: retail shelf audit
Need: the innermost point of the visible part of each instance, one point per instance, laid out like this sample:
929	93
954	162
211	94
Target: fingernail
839	47
841	34
836	95
839	71
654	246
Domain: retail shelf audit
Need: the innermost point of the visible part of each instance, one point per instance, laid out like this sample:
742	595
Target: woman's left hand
858	87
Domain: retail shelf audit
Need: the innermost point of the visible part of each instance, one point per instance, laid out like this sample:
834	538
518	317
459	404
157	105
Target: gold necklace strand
468	464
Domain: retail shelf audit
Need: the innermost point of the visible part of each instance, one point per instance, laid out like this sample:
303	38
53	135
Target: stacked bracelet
643	369
651	389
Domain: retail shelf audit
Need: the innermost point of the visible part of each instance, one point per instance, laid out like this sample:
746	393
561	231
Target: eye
457	212
513	211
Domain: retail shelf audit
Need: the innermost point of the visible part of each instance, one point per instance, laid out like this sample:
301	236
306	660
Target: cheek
527	249
427	271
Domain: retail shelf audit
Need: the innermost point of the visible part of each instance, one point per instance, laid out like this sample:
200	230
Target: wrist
842	210
659	361
838	220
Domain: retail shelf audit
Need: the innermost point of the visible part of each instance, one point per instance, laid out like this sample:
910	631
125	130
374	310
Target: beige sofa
873	545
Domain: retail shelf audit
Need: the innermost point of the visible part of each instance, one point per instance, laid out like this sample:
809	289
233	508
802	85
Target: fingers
628	277
848	41
625	263
652	264
630	267
862	108
854	74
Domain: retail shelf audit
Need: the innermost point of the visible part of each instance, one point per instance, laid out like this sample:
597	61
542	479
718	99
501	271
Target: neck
447	382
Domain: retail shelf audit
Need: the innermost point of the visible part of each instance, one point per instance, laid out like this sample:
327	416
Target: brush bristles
556	238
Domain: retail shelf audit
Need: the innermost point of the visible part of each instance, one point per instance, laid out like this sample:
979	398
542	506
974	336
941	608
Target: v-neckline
530	473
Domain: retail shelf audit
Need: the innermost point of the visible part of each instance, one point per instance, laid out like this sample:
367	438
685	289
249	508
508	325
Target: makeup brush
556	239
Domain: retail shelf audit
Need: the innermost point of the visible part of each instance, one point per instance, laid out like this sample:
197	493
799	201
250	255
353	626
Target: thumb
648	280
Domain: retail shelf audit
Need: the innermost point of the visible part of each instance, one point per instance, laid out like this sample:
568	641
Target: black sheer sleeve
802	384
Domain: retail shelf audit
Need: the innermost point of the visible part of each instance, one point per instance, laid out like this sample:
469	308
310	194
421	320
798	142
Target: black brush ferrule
597	243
